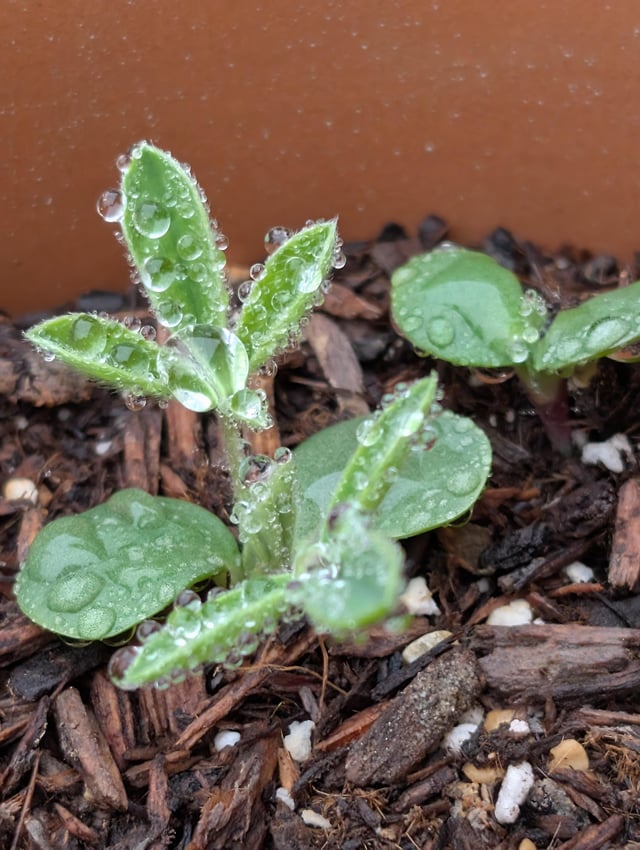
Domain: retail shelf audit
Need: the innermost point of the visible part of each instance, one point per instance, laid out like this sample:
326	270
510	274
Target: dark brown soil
84	765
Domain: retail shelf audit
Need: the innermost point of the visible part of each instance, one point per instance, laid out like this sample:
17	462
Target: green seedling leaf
598	327
352	577
104	350
286	289
437	483
384	441
205	367
95	575
463	307
222	630
173	245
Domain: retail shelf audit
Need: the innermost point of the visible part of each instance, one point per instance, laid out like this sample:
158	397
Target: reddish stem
550	398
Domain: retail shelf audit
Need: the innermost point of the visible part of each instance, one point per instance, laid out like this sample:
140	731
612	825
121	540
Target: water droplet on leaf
257	271
123	161
135	402
463	482
169	313
607	333
188	247
120	662
74	590
276	237
244	290
151	219
110	205
367	434
88	335
148	332
440	331
186	597
146	629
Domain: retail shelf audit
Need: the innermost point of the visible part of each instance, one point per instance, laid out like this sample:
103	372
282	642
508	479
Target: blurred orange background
510	113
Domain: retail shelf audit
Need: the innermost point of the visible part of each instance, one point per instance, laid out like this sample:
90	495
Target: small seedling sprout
316	528
461	306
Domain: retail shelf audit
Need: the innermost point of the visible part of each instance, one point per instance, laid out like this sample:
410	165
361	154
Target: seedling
461	306
316	529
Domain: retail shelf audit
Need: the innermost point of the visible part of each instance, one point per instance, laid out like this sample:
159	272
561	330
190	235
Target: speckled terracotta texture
507	113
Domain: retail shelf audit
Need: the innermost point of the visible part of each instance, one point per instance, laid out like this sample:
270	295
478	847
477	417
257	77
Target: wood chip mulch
84	765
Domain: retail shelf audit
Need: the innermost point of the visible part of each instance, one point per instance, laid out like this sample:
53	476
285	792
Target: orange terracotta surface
509	113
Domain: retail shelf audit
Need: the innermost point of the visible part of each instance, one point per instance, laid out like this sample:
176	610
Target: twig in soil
26	804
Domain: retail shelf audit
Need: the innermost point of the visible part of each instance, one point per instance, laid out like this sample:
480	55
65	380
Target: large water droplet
303	277
244	290
97	621
367	434
120	661
187	597
169	313
250	405
135	402
88	335
530	334
151	219
411	423
74	590
123	161
440	331
148	332
275	237
188	247
132	323
110	205
607	333
518	350
463	482
282	455
146	629
257	271
126	356
339	259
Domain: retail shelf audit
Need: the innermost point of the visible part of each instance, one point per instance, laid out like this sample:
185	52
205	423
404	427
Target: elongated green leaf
104	350
598	327
97	574
221	630
167	230
352	577
463	307
384	441
289	286
437	482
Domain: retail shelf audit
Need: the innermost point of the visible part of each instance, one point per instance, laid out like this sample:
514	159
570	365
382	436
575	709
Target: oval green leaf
435	485
97	574
289	287
599	326
167	230
463	307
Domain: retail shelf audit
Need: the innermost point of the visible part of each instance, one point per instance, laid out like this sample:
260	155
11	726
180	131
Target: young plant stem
233	445
549	395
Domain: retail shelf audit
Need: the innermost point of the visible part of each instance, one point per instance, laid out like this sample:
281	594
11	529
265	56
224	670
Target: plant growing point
463	307
317	528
